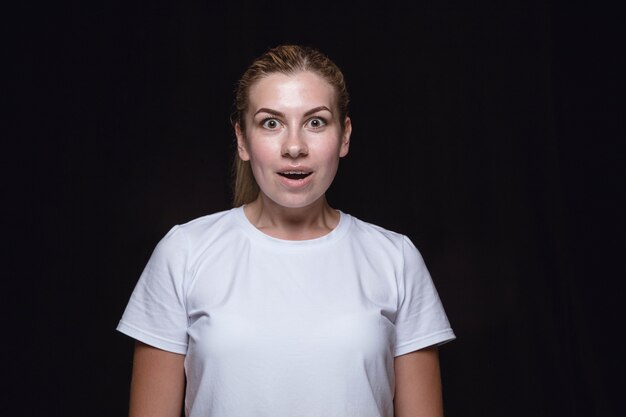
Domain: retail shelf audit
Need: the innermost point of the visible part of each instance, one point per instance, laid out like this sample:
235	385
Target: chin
295	202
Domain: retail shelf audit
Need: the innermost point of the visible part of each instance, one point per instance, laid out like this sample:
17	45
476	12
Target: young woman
284	306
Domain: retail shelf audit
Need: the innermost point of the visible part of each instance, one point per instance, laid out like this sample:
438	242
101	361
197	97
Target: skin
292	125
418	384
158	383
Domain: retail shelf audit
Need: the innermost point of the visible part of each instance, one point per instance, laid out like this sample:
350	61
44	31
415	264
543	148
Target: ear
241	143
345	138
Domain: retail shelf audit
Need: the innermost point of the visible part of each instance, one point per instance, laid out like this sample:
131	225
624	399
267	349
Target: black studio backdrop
486	131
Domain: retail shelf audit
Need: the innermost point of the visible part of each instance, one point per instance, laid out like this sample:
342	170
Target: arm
418	384
157	384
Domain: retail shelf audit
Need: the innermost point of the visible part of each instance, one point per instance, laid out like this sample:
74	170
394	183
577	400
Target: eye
316	123
270	123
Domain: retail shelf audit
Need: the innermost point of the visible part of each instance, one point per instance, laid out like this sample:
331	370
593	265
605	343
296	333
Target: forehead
302	89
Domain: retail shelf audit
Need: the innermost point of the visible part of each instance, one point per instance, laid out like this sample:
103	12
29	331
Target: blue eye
270	123
316	123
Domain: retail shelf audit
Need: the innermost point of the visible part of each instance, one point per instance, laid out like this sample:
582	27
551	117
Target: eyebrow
279	114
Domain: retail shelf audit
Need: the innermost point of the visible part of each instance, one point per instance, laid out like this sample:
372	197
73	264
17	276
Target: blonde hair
285	59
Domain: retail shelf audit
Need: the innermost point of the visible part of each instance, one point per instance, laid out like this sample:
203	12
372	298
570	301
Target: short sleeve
421	320
156	313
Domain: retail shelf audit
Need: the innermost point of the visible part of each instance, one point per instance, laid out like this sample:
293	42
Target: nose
294	145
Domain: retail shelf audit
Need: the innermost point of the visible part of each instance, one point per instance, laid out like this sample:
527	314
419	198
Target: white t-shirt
281	328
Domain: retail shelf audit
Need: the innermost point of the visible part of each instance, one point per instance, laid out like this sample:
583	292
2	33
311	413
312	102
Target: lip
295	183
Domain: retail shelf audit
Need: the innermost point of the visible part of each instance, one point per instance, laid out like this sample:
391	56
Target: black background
489	132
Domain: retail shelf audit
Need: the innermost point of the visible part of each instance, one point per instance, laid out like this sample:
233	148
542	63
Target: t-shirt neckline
335	234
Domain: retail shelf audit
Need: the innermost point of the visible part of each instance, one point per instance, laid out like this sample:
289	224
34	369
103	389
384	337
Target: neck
302	223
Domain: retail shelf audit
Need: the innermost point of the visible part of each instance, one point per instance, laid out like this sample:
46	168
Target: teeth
295	175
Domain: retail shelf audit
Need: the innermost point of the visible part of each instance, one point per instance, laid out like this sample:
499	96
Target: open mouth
294	175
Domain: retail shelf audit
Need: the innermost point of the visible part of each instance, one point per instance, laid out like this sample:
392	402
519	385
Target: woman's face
293	137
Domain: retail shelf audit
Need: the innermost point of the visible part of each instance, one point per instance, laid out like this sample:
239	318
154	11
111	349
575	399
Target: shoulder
374	233
201	231
377	238
208	224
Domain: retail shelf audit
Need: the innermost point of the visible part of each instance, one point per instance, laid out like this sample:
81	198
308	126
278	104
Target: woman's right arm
158	383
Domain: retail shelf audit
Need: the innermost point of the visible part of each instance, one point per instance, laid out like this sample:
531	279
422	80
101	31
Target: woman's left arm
418	384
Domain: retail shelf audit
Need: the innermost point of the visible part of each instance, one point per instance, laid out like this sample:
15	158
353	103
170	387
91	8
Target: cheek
261	150
330	152
262	158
